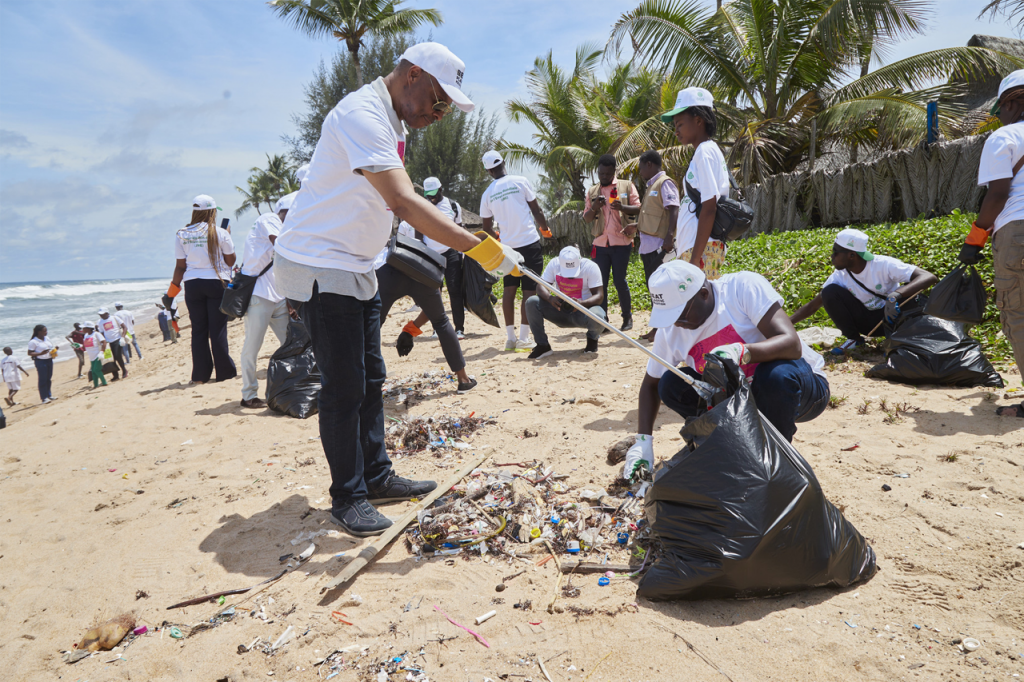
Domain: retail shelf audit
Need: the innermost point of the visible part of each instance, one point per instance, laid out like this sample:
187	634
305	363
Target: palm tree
350	20
776	65
1011	9
259	190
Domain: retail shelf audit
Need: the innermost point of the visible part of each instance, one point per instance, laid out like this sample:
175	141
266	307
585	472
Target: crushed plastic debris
436	434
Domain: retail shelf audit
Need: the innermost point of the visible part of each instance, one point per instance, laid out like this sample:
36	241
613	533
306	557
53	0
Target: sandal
1005	411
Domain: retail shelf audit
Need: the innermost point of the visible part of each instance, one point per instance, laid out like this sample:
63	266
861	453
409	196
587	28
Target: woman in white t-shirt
205	254
42	351
707	178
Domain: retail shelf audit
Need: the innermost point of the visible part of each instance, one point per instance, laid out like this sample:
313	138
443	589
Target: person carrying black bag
864	290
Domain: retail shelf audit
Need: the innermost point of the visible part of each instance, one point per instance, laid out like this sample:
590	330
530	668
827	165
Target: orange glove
546	234
977	236
173	290
411	329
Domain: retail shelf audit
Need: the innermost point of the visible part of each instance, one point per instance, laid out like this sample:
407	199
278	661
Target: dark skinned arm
596	296
670	239
705	222
590	214
919	281
781	341
538	216
806	310
994	203
488	227
180	266
650	403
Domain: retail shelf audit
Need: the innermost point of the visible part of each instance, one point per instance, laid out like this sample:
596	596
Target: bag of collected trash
293	380
959	297
923	349
479	299
740	513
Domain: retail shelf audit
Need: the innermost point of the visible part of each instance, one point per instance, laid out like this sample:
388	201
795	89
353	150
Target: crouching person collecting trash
580	279
324	256
739	317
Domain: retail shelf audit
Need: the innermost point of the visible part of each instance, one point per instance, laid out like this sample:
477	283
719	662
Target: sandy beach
148	492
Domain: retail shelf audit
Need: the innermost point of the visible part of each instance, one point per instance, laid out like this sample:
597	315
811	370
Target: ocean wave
37	291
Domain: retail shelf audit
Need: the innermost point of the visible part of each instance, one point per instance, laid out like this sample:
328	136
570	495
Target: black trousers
209	330
851	316
651	262
117	351
614	260
453	282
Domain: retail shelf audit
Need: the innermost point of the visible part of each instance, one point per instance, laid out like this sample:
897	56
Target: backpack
733	217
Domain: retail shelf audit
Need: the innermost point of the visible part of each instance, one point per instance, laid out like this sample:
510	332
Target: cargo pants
1008	259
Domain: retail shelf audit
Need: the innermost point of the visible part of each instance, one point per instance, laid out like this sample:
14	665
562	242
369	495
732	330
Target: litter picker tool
705	390
872	332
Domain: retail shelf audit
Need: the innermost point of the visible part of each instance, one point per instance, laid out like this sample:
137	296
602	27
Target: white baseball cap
204	202
101	311
442	64
119	305
569	261
430	186
1014	80
492	159
87	325
672	286
302	172
285	202
689	97
855	241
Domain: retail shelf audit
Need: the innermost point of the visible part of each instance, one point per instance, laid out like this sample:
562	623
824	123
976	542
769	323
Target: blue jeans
567	318
45	369
346	343
786	392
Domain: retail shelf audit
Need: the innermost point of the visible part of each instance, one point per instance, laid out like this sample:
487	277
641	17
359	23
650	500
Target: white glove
639	457
730	351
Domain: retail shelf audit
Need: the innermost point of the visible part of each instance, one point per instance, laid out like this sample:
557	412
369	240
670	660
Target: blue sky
115	113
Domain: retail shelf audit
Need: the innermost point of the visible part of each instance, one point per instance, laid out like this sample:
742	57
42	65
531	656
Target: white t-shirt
1001	152
883	274
505	201
445	207
126	317
259	253
110	328
338	220
190	244
9	368
36	346
741	300
708	174
92	345
576	287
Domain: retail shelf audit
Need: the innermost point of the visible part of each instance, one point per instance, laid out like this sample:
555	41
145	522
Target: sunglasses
440	105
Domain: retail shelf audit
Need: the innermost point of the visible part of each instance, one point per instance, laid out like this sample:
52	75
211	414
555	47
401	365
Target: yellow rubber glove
494	257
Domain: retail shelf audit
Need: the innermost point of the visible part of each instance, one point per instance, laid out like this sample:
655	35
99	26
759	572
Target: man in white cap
739	317
113	331
267	307
128	320
864	289
1002	217
324	258
578	278
511	202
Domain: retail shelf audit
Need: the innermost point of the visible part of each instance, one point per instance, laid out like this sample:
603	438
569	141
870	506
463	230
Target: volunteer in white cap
204	256
739	317
578	278
864	289
1002	216
705	182
127	318
113	331
267	308
340	221
511	202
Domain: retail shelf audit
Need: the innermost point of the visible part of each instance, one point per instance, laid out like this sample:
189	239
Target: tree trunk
359	66
865	66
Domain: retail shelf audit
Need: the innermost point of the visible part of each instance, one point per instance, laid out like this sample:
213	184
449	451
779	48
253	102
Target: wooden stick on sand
380	544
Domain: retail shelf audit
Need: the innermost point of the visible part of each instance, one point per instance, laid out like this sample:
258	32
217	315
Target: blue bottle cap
603	580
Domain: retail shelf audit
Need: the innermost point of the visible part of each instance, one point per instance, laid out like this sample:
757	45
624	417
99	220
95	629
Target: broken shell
308	552
971	644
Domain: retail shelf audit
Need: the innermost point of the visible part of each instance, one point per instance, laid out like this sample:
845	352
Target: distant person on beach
164	320
324	260
95	346
659	215
128	320
113	332
75	338
42	351
578	278
267	308
606	206
205	254
511	202
11	370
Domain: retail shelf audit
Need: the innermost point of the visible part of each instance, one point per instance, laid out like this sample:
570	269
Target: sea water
58	305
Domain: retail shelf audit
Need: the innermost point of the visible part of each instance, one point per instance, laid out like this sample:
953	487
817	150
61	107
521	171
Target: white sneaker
510	345
460	336
413	309
45	401
432	337
525	346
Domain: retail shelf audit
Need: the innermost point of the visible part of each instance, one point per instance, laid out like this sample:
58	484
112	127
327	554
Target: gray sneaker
359	518
397	489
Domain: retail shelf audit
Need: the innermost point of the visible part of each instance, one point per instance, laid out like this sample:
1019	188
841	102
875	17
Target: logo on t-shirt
689	175
878	286
570	286
722	338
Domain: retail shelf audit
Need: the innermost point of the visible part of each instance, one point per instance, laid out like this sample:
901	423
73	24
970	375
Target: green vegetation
267	185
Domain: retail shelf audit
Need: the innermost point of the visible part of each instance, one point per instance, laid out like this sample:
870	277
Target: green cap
689	97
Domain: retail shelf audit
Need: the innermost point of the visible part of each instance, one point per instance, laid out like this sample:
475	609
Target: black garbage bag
740	513
293	379
959	297
923	349
479	298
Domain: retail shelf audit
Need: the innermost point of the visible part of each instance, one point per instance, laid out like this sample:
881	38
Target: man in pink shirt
613	241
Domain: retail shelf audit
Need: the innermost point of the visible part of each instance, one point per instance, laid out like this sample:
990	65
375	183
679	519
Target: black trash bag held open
477	284
926	350
293	379
741	514
959	297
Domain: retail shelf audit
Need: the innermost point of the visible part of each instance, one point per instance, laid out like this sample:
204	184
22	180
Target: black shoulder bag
238	293
733	216
416	260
